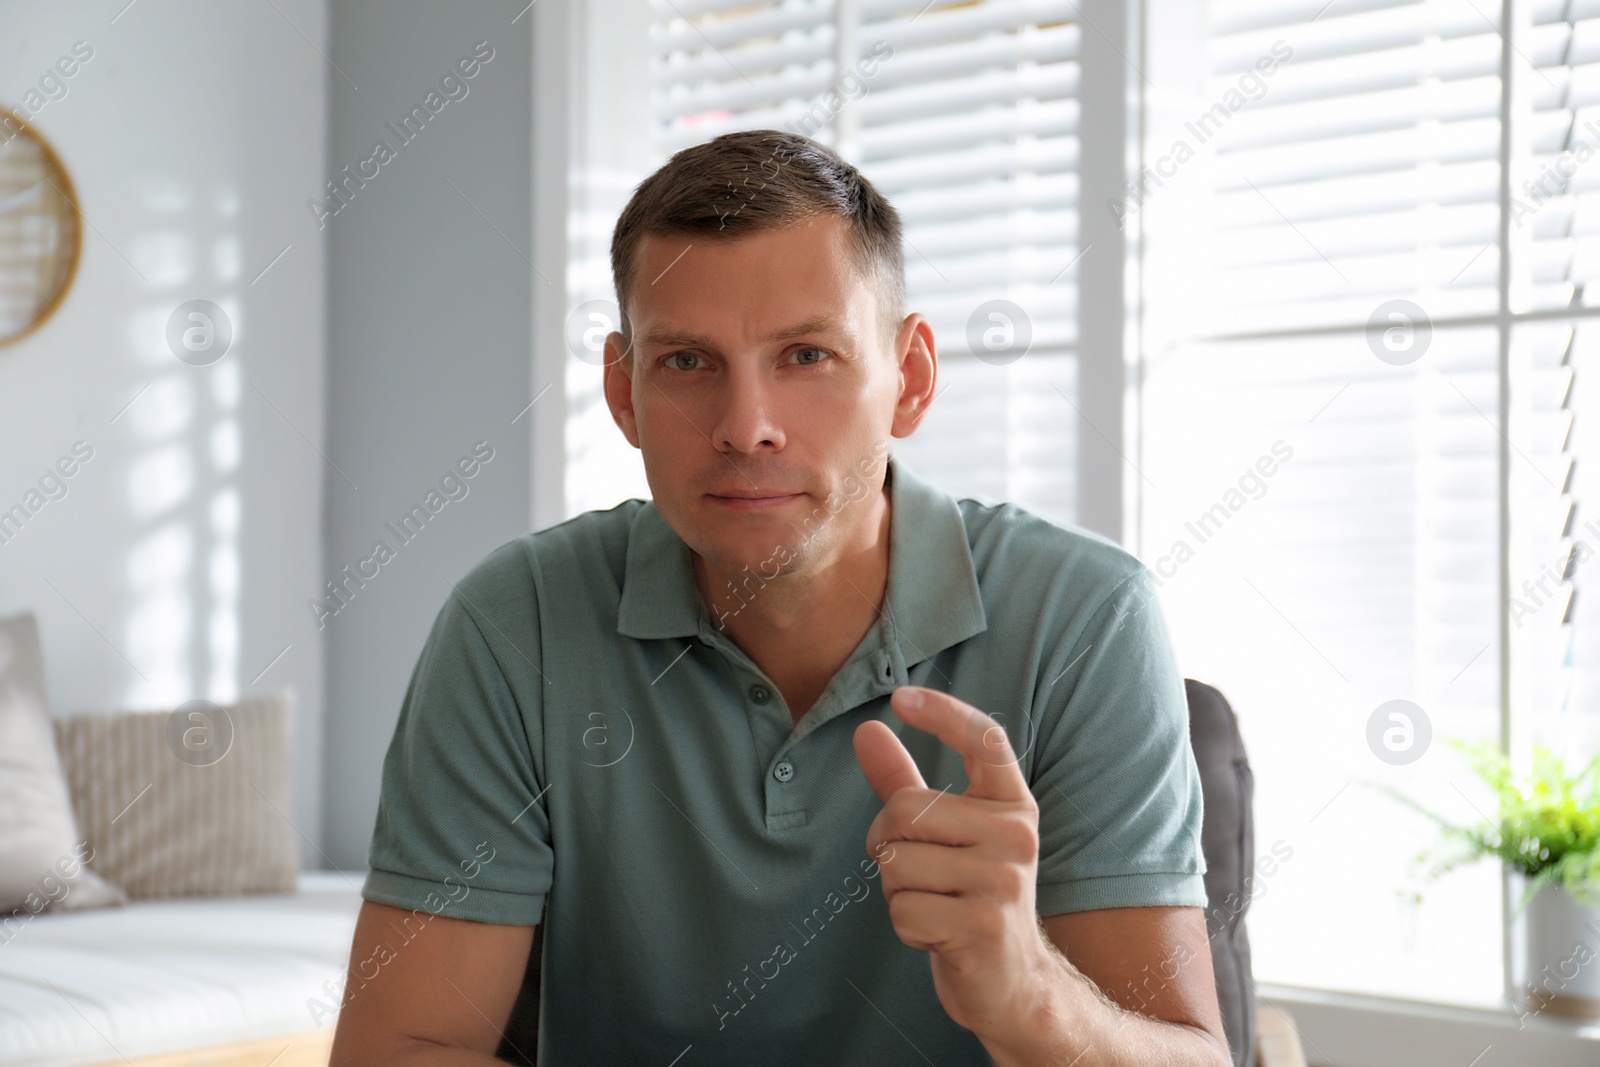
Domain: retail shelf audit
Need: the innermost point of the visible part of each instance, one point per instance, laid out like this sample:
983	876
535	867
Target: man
801	761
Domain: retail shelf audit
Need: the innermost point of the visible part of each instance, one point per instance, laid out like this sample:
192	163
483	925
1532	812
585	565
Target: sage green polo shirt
581	748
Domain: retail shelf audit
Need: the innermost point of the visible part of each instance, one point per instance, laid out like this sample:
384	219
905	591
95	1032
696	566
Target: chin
732	555
766	554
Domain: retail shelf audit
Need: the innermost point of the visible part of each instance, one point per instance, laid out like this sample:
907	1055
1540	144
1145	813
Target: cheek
864	414
835	425
670	424
670	445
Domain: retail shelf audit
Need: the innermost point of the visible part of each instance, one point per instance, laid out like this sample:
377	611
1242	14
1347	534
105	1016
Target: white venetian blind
965	116
1558	193
1556	214
1344	156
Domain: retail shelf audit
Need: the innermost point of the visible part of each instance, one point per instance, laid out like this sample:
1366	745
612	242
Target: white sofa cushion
42	856
163	975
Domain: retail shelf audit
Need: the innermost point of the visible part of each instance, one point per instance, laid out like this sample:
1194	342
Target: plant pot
1557	939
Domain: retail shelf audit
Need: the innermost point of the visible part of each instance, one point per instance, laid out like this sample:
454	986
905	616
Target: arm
1130	986
430	993
460	861
959	877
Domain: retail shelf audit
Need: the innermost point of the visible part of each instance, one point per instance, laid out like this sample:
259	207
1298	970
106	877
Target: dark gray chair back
1227	837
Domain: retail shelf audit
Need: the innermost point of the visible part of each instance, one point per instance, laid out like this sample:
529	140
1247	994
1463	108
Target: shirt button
760	694
783	772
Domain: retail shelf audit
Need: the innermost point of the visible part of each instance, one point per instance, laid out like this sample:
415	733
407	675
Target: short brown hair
752	181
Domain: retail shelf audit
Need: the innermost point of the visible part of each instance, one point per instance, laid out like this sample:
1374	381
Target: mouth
753	500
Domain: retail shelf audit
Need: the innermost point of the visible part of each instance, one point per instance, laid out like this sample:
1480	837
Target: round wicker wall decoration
40	235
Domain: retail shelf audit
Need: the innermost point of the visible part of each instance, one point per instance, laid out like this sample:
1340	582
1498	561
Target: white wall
173	567
429	335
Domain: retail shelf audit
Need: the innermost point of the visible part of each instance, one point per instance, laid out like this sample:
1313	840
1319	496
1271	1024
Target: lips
748	499
752	494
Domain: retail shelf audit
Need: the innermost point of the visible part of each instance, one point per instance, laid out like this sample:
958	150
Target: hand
961	871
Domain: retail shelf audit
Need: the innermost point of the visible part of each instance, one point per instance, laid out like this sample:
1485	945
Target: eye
674	360
820	353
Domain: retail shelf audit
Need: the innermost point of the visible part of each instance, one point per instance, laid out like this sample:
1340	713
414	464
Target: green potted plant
1547	834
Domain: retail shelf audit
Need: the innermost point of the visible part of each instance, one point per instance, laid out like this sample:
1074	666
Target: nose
747	412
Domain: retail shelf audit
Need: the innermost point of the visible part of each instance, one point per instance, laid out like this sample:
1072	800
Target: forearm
1073	1022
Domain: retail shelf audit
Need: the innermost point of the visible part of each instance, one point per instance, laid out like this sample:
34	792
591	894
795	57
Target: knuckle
1007	880
902	812
890	880
902	910
910	922
1024	840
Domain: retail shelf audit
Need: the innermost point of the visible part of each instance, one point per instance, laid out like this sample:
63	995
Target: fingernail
913	699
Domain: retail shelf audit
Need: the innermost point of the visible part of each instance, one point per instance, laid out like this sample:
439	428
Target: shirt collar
933	598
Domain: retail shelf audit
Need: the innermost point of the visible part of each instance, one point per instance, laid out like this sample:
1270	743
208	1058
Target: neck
800	628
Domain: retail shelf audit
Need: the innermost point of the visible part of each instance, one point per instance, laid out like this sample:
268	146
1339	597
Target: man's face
760	368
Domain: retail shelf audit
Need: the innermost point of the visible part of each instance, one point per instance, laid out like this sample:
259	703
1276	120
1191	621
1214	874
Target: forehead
754	285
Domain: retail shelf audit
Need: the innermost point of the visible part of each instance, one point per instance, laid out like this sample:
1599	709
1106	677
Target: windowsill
1350	1030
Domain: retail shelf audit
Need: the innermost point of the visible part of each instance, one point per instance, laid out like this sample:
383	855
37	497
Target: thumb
884	760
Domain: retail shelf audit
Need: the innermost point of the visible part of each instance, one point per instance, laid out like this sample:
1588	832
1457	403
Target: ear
618	383
919	373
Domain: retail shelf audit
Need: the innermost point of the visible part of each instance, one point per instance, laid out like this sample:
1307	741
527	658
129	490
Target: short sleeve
1115	778
461	830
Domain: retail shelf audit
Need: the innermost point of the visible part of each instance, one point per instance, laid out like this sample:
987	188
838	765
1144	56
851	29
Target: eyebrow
673	338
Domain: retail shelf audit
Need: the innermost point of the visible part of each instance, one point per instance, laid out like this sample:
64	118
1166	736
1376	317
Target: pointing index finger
991	763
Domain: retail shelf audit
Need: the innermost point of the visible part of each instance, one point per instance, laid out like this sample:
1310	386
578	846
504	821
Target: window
1333	292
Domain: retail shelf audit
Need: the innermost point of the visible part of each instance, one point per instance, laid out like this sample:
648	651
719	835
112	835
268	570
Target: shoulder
503	590
1015	549
585	540
602	531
